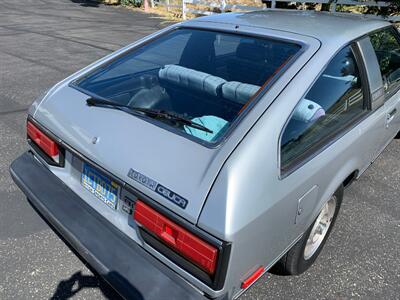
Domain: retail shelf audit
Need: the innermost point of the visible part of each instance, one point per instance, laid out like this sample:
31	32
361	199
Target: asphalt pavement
42	42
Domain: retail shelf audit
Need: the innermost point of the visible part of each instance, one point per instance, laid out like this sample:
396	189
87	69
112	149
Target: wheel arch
350	179
345	177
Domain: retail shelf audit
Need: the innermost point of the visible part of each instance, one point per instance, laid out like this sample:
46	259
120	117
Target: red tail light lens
46	144
179	239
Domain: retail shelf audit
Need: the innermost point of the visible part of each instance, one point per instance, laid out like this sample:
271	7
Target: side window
334	101
387	48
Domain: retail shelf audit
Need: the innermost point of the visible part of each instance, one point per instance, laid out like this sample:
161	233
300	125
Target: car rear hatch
134	151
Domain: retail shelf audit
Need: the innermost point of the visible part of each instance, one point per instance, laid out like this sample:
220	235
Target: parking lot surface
42	42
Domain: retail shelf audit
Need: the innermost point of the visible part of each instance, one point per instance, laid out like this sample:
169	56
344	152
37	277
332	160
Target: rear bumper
126	266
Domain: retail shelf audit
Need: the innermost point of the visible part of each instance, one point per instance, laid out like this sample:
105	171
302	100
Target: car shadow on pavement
277	270
87	3
68	288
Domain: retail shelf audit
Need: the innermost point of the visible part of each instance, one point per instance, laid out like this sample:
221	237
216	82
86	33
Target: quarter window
332	104
387	48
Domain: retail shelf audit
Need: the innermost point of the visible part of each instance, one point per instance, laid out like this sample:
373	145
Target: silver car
186	165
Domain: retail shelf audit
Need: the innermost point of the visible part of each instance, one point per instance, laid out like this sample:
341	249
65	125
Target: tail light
183	242
46	145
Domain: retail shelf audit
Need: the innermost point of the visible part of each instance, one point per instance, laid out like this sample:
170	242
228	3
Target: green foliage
135	3
392	9
384	43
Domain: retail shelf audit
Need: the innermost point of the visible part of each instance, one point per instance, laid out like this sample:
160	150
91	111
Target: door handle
390	116
392	113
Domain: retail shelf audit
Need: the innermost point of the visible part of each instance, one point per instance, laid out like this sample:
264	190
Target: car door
386	44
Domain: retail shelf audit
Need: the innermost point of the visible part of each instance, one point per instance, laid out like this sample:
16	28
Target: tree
392	9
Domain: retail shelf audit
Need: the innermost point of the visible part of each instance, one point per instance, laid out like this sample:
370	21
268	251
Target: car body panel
392	120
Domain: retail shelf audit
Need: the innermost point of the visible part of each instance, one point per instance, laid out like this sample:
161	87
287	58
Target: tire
397	137
298	259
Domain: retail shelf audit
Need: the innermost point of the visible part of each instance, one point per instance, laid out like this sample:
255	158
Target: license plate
103	187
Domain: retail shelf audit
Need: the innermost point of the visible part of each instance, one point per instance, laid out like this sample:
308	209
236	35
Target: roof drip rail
334	3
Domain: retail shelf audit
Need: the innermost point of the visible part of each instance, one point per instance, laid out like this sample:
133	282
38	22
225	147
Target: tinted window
205	76
333	102
147	60
387	49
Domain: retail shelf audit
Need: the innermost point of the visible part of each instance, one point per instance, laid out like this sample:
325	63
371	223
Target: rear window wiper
154	113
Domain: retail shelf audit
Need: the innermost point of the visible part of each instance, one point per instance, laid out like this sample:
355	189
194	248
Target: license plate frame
100	185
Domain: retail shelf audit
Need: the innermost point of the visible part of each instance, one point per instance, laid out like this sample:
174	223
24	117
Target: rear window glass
204	76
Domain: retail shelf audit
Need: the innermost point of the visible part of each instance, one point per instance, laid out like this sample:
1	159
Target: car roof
324	26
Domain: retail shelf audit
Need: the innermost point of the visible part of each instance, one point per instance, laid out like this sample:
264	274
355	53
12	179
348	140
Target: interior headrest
192	79
349	67
341	66
238	91
251	51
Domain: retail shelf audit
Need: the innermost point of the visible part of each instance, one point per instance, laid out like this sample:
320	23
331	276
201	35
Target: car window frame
321	146
256	98
389	93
